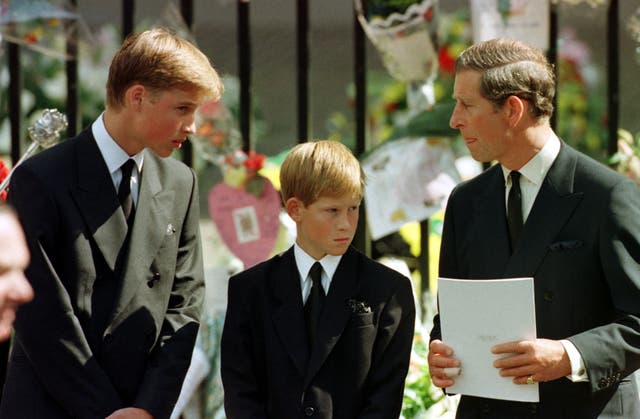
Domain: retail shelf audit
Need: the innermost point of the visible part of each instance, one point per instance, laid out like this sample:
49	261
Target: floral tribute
245	206
40	24
219	142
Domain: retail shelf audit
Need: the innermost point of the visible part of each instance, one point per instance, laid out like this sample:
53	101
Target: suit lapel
149	228
288	313
96	198
335	314
551	210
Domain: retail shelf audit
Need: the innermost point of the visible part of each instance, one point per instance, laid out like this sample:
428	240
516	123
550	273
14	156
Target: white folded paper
478	314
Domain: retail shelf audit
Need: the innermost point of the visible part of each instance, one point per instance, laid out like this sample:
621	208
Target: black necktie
315	301
514	209
124	191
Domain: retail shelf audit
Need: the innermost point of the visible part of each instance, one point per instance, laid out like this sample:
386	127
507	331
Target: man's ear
515	108
134	94
294	208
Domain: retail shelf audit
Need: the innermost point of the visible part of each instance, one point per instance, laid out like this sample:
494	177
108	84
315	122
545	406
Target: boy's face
325	227
166	118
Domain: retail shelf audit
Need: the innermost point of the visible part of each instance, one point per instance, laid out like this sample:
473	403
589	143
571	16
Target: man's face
483	127
166	118
14	258
327	226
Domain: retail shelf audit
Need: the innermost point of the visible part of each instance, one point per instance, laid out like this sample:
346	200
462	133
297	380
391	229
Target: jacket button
602	383
309	411
154	278
548	296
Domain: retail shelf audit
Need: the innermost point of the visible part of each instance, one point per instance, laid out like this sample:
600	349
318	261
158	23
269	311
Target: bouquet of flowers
218	141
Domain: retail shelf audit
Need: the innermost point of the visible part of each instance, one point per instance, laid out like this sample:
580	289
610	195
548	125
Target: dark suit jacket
581	243
358	366
75	356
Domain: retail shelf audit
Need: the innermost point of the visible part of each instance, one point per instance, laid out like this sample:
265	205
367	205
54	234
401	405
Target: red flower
30	38
390	107
447	62
428	14
254	161
4	172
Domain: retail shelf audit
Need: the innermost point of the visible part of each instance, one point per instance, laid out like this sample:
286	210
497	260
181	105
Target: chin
162	153
339	252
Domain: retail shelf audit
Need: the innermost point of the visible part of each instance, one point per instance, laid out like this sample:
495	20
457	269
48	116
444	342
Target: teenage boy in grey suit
118	280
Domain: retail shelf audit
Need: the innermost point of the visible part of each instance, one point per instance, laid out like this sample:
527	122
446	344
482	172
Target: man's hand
540	359
130	413
442	365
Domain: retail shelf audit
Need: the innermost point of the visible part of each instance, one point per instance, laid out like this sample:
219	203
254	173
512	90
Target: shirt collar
304	263
536	169
113	155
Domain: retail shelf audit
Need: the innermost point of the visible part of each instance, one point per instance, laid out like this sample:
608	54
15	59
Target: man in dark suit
567	221
118	277
320	330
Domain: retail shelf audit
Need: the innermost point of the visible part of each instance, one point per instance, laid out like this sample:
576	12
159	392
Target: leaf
430	123
255	185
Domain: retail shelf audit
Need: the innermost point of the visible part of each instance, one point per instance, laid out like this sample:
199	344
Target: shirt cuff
578	371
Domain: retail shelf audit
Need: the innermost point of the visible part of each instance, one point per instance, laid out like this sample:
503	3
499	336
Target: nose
343	221
21	291
348	220
190	128
454	121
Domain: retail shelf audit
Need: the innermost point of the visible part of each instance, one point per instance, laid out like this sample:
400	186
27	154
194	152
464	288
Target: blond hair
160	60
318	169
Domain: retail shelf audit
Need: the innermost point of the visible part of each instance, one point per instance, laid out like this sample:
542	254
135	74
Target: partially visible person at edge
116	259
14	258
579	241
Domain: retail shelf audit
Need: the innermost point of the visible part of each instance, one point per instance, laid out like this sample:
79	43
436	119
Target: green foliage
44	85
419	394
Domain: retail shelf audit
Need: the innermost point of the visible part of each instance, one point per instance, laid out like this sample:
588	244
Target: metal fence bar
128	15
552	54
302	43
186	10
244	72
613	67
15	103
362	239
71	68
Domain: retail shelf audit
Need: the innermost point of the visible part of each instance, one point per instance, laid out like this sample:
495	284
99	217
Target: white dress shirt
114	156
304	262
532	176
